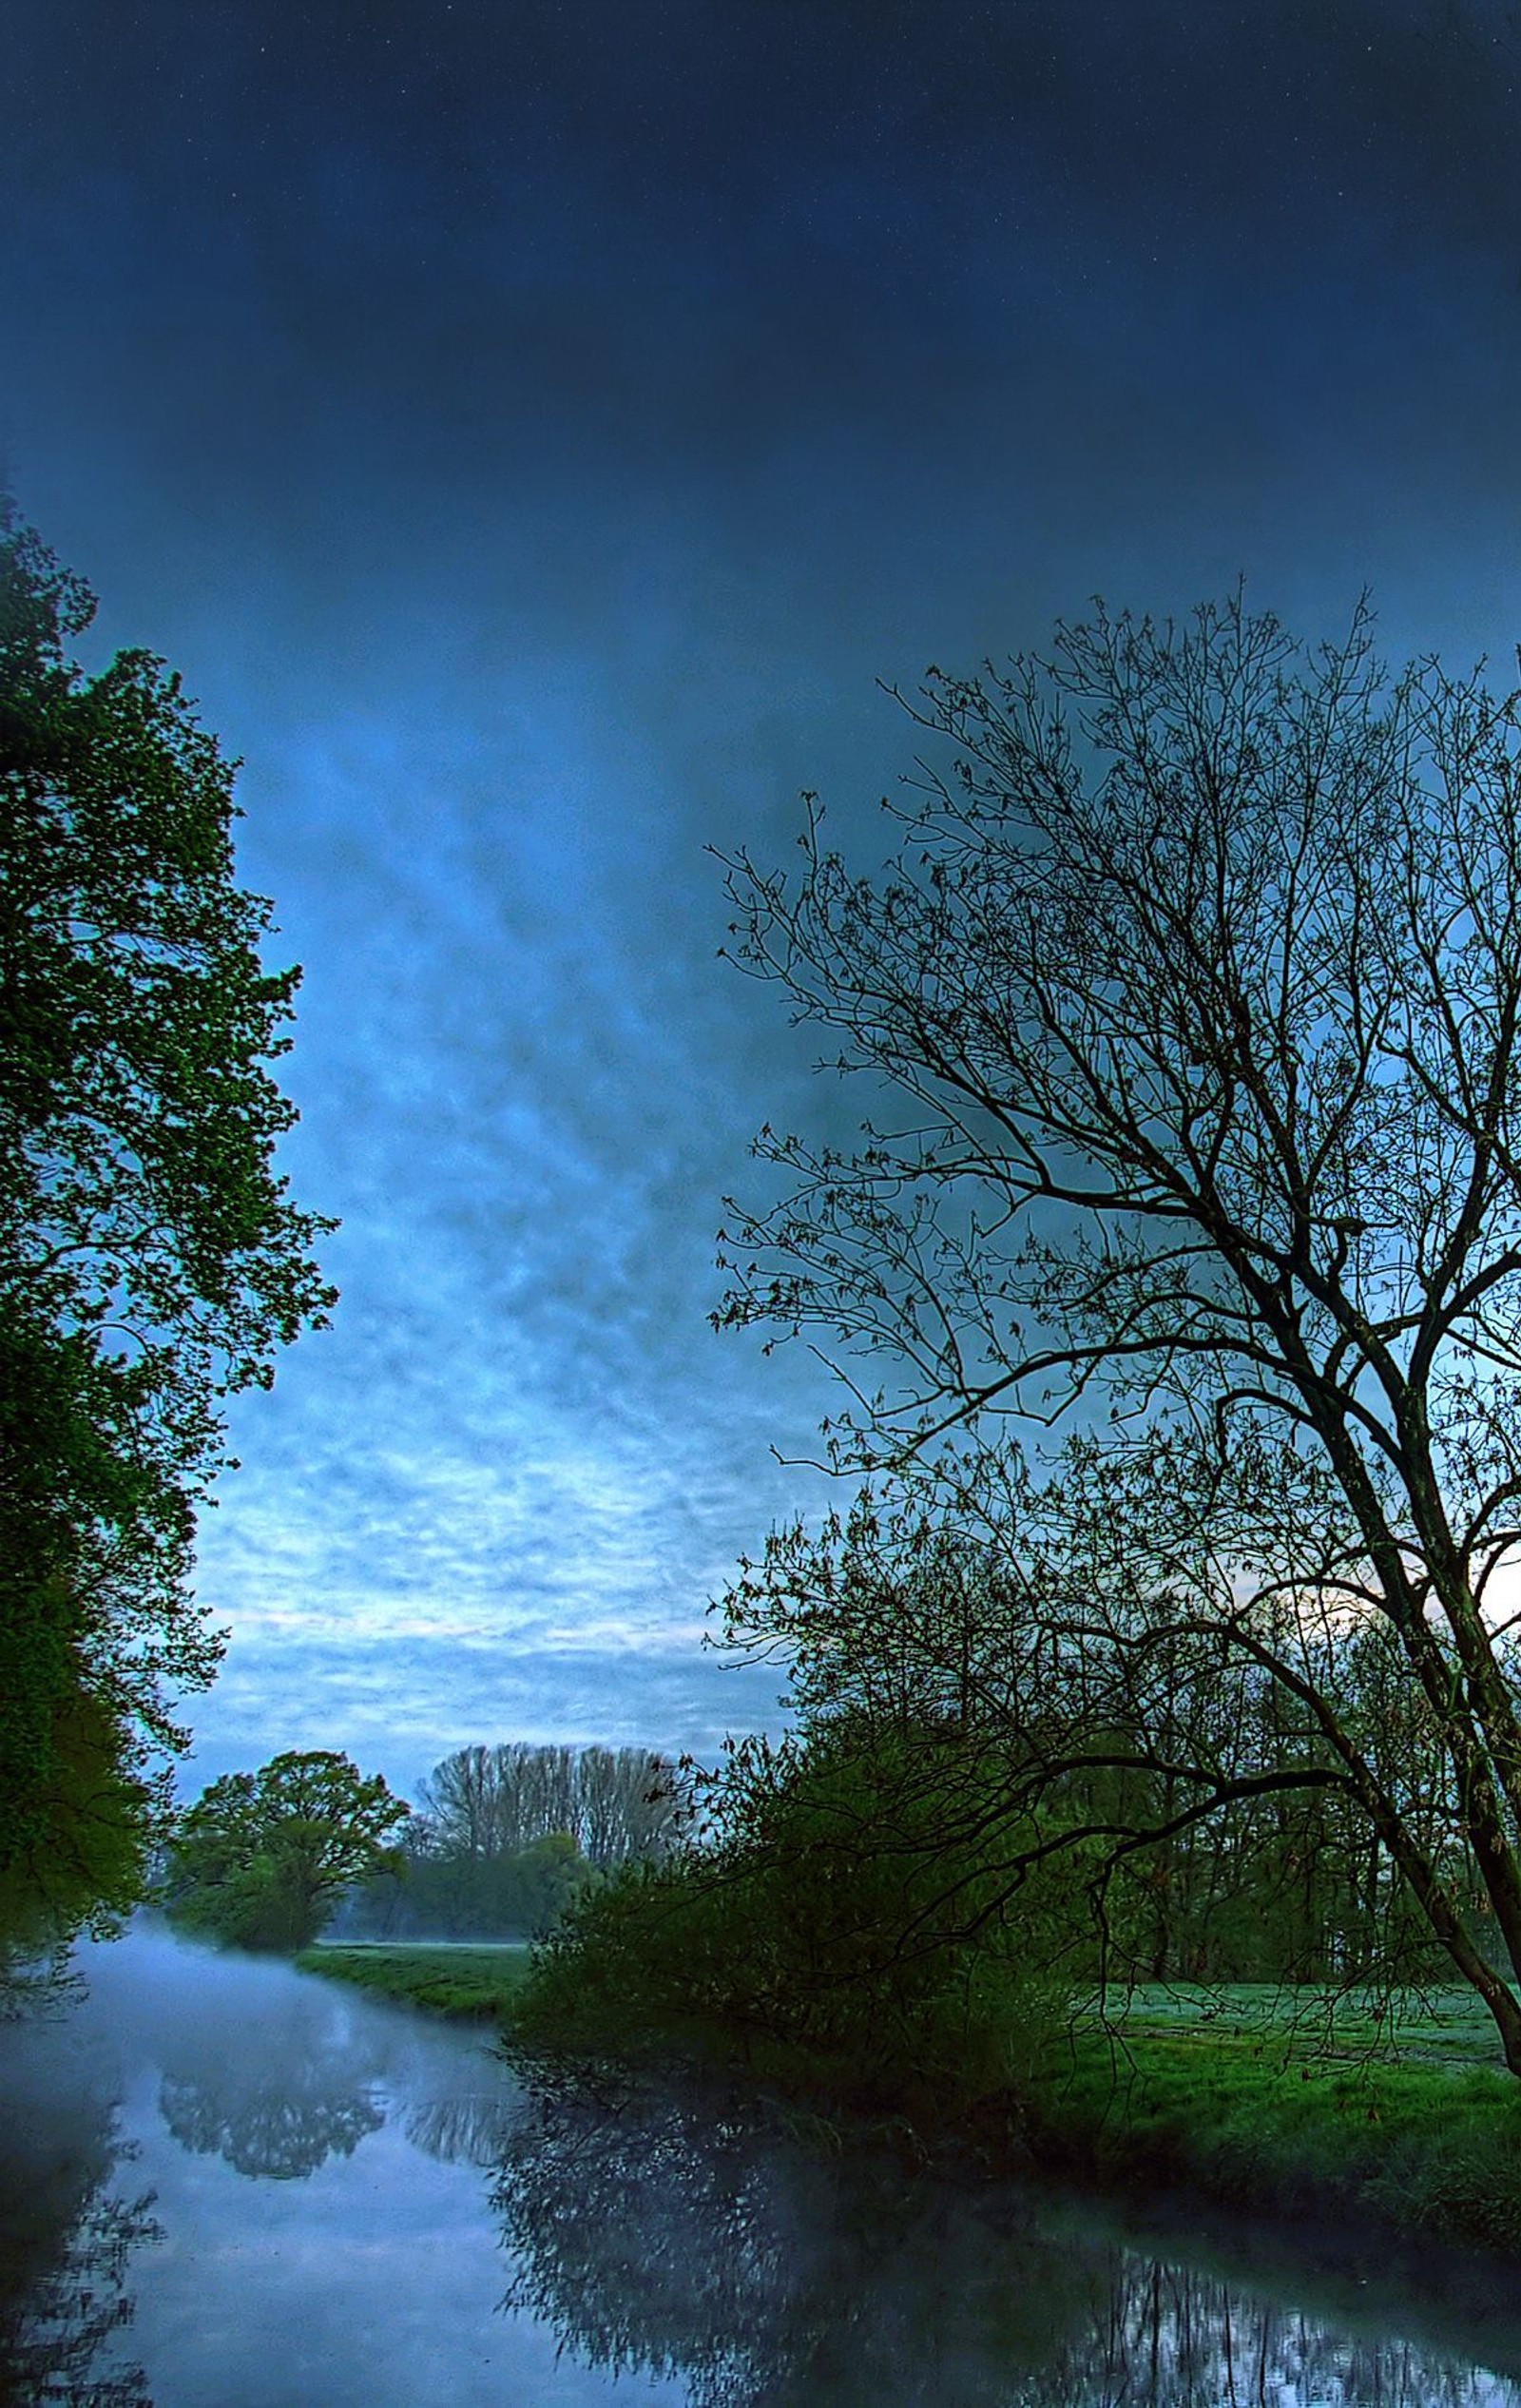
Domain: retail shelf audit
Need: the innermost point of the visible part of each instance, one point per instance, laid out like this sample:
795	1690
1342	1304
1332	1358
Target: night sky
533	432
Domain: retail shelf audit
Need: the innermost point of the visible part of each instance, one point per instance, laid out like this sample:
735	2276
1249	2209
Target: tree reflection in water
276	2111
472	2128
681	2237
310	2086
63	2276
1185	2340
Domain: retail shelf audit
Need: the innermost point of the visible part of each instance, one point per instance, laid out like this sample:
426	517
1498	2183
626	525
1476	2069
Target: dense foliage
504	1893
261	1860
833	1935
151	1261
894	1622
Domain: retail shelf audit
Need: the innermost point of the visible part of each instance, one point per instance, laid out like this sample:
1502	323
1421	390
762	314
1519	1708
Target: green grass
447	1980
1254	2097
1437	2026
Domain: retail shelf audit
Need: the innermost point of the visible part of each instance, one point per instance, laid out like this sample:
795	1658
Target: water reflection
273	2075
271	2079
313	2080
462	2126
1182	2340
308	2197
69	2225
681	2237
280	2126
51	2338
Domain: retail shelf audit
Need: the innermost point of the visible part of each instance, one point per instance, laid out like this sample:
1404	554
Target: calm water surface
228	2185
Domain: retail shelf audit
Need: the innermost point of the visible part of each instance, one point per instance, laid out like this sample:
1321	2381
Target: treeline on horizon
505	1837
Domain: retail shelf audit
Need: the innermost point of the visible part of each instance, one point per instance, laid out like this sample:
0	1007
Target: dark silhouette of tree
1190	1009
1042	1764
67	2232
51	2344
151	1261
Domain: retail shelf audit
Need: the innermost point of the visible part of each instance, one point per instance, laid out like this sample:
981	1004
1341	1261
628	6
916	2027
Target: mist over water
225	2181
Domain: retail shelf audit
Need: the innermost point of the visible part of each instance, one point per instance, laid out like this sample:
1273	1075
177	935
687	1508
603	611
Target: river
228	2185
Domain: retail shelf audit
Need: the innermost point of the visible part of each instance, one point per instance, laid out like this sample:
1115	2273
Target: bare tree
1194	991
490	1802
460	1804
629	1807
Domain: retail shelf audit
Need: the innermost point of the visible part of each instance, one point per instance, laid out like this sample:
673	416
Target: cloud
400	1704
533	450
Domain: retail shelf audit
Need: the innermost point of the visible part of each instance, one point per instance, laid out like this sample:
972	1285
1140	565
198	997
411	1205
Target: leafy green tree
261	1859
551	1874
151	1260
1192	1004
1046	1752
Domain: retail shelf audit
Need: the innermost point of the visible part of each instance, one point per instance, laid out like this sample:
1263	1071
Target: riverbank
1419	2131
345	2196
445	1978
1247	2097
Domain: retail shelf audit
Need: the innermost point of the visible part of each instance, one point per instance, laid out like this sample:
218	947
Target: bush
840	1939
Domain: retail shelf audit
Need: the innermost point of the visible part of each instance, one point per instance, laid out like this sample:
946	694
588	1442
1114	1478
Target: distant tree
1190	1006
439	1894
507	1835
261	1859
461	1800
629	1805
150	1260
483	1801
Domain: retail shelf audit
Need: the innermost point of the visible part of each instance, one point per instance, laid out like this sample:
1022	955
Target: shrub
839	1938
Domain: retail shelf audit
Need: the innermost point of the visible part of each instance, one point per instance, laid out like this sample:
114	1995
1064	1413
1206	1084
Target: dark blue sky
533	431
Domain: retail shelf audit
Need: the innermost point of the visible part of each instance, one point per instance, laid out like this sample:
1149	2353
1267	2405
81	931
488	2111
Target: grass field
447	1977
1260	2098
1435	2026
